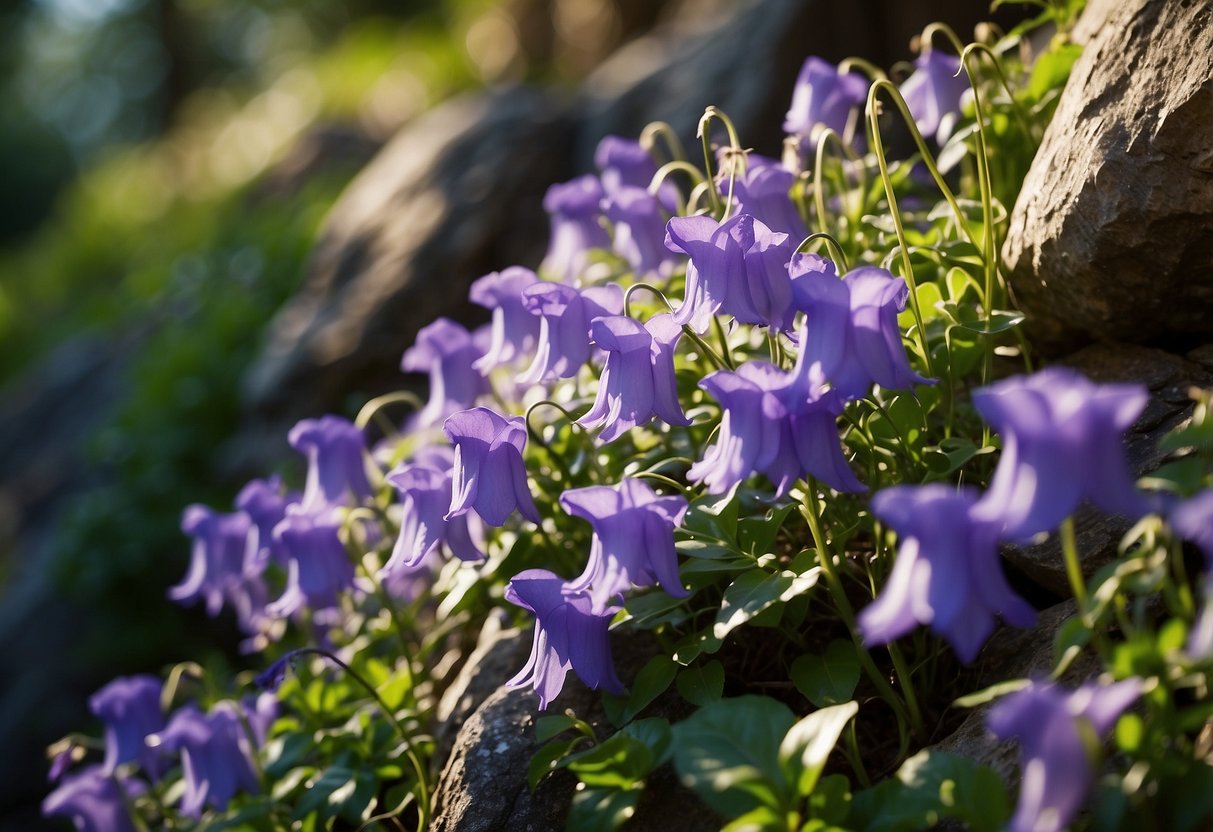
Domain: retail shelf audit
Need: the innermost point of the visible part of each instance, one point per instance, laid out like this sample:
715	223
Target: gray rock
1109	239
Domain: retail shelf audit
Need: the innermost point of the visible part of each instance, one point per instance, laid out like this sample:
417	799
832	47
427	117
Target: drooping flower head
633	542
716	263
947	573
574	211
763	191
637	381
1193	520
824	96
265	502
1062	441
514	329
488	474
763	295
130	708
215	756
568	634
94	800
1055	761
624	163
933	92
425	497
448	352
564	331
336	462
639	227
852	329
318	566
217	560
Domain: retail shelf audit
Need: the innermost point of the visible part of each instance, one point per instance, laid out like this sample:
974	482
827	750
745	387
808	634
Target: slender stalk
648	139
725	354
831	243
374	405
627	297
1069	552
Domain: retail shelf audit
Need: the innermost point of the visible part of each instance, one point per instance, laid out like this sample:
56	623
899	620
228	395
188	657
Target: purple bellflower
425	494
221	566
639	227
824	96
637	381
215	756
1054	751
716	263
448	352
1193	520
763	191
318	566
1062	440
633	541
933	92
776	423
130	708
514	329
265	504
624	163
488	474
564	329
946	575
94	799
574	211
852	326
568	634
336	462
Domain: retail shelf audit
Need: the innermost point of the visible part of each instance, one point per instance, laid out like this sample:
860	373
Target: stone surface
1110	238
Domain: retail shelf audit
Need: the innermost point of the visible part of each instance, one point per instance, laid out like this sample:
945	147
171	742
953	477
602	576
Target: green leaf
649	609
701	685
759	819
602	810
651	682
316	798
728	753
831	800
991	693
830	678
806	747
548	757
655	734
1051	69
713	516
756	590
1129	730
549	726
757	534
928	787
620	761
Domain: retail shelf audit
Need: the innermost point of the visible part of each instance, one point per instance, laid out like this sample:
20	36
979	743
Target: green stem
734	142
708	352
1069	551
721	336
627	297
374	405
848	153
648	139
831	243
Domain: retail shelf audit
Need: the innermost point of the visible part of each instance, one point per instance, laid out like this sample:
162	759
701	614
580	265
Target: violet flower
763	295
130	708
564	331
1053	727
1193	520
218	558
775	423
823	96
216	756
318	567
763	191
624	163
448	352
852	326
933	92
717	263
568	634
489	475
94	799
336	462
513	329
947	573
637	381
633	542
574	211
265	502
1062	441
639	227
425	496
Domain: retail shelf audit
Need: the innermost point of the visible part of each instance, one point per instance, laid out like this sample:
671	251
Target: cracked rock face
1112	235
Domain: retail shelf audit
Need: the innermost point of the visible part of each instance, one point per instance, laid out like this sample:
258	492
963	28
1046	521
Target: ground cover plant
739	396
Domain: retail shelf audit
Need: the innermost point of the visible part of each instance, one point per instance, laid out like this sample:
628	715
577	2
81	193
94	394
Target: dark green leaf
828	679
931	786
651	682
655	733
701	685
602	810
831	799
548	757
756	590
620	761
806	747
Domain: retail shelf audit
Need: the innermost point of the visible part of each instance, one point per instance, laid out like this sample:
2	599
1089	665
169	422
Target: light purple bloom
568	634
130	708
574	210
764	192
215	756
775	423
1193	520
763	295
319	568
448	352
265	502
94	800
717	264
825	97
514	329
852	326
425	496
637	381
1054	757
217	570
489	475
624	163
947	573
564	331
1062	441
633	542
933	92
639	227
336	462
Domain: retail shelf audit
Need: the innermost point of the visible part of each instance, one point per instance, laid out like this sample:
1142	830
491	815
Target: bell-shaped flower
763	296
130	708
947	573
777	424
425	497
624	163
336	462
1193	520
637	381
852	326
1057	756
514	329
633	542
94	799
576	230
217	559
824	96
564	328
318	566
933	92
265	502
569	633
216	756
1062	441
639	227
448	352
764	191
717	262
488	474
